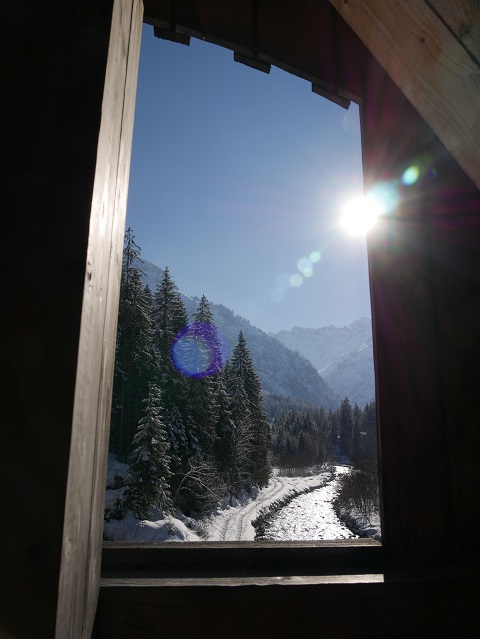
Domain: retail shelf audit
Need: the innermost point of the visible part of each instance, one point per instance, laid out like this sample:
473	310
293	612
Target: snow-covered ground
234	523
306	517
160	527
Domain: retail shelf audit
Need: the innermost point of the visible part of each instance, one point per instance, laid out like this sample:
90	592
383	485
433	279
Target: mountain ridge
343	356
281	371
318	365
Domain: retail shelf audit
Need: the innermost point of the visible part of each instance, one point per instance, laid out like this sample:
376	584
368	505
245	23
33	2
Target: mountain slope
281	370
343	356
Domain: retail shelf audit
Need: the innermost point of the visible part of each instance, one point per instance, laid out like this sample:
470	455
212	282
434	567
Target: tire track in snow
237	520
235	523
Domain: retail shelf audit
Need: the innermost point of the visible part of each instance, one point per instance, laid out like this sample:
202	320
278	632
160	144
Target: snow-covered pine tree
133	358
224	426
242	367
149	461
169	318
177	441
202	403
234	447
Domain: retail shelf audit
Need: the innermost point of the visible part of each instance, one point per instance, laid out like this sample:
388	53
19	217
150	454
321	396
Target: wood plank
463	18
81	553
429	65
229	582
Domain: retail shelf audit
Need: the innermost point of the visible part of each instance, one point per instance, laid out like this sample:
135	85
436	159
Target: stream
310	516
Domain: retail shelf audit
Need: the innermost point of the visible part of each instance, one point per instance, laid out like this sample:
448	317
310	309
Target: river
310	516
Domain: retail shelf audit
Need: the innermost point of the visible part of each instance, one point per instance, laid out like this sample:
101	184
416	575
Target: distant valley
319	366
342	356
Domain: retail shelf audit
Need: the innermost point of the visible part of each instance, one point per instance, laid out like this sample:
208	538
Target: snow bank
362	526
162	528
158	527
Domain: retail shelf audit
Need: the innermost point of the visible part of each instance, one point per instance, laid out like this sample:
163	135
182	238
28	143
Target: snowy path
235	523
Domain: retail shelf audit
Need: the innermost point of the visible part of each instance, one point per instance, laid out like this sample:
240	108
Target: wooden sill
243	559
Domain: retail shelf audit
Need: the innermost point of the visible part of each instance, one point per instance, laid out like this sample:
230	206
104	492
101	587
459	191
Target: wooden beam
83	525
463	18
429	64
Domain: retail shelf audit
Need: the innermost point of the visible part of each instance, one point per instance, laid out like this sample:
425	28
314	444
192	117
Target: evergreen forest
193	425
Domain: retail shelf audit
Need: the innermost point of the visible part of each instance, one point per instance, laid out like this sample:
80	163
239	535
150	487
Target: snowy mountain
343	356
281	370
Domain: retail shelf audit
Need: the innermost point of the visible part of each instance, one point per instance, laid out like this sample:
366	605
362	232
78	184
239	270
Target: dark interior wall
425	286
408	348
53	69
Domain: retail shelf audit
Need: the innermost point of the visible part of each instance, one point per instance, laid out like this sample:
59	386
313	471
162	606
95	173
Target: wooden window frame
321	557
268	561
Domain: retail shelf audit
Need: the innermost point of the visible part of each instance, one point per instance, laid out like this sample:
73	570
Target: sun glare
360	214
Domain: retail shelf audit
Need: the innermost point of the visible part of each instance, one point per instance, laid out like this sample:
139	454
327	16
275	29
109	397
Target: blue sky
236	176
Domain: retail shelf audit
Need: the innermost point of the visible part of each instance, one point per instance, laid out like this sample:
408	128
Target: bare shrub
359	491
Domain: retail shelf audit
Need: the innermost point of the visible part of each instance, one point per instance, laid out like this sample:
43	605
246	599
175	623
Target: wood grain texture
463	18
429	65
137	581
81	554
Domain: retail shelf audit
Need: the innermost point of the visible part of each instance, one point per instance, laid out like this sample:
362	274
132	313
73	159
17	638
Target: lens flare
411	175
360	214
304	265
200	350
385	195
285	282
296	280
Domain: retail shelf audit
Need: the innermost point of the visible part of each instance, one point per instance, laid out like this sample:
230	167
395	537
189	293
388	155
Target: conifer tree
202	387
369	437
235	446
224	427
134	357
345	421
177	440
358	439
169	318
150	462
242	367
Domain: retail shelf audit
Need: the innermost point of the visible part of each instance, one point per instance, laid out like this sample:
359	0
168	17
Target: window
237	185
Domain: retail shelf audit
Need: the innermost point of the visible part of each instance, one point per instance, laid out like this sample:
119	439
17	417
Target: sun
360	214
